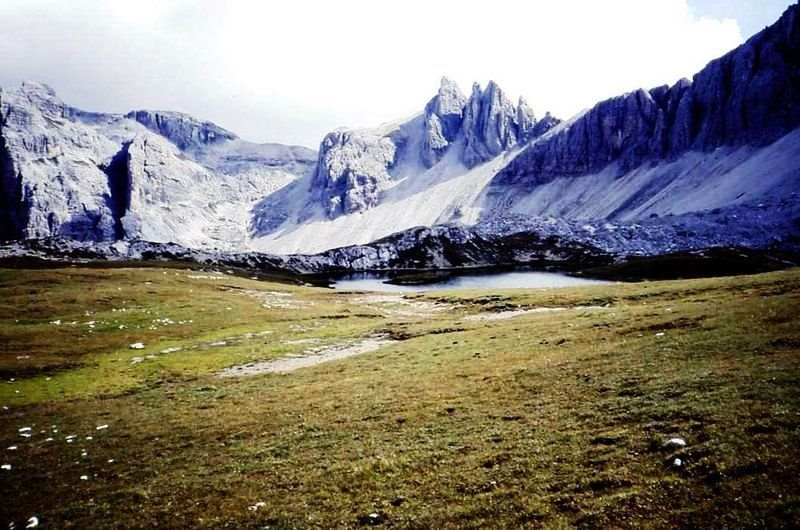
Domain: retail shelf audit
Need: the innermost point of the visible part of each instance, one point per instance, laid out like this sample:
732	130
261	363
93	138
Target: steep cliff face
492	124
751	96
12	211
443	117
99	177
352	169
52	180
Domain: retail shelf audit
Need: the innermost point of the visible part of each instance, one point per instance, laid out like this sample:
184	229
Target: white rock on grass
6	467
137	346
33	522
675	443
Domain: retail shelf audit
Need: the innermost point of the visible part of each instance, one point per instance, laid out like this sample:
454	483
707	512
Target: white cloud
290	71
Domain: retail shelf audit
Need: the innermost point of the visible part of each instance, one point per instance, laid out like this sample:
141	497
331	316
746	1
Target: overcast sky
291	71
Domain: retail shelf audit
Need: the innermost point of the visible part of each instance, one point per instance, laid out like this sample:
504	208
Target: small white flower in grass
6	467
33	522
256	506
84	477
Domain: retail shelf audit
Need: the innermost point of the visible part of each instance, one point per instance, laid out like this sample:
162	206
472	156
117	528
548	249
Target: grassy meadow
503	409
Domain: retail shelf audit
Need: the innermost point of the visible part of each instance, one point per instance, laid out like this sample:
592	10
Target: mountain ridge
718	147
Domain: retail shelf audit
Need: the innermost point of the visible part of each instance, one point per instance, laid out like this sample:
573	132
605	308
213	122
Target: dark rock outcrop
454	246
12	211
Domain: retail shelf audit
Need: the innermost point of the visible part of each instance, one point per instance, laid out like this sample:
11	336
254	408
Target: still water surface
498	280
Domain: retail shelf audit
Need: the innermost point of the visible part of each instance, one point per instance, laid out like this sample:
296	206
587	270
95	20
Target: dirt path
398	306
309	358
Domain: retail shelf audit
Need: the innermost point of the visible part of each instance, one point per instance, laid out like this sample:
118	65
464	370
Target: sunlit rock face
161	176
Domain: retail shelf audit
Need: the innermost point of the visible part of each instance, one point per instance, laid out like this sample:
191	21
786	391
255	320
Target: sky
291	71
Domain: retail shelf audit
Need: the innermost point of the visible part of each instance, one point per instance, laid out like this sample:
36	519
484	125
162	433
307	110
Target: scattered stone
137	346
397	501
101	427
256	506
25	429
6	467
677	462
675	443
33	522
12	448
84	477
373	519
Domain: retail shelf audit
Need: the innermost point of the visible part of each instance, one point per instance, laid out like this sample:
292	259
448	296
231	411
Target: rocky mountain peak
488	122
493	124
181	129
442	121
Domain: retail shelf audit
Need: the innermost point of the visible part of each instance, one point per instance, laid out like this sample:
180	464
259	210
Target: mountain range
711	161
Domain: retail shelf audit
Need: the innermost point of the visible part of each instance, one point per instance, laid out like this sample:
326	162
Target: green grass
553	419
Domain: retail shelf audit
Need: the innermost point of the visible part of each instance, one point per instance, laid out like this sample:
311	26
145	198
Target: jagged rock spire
443	117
